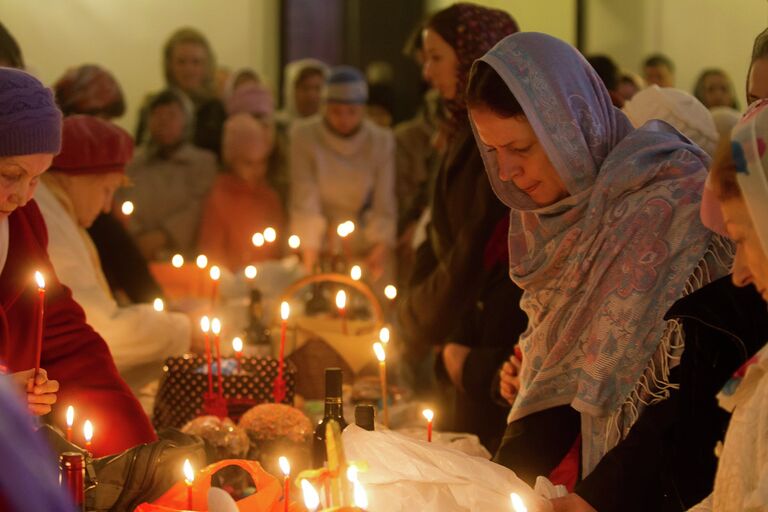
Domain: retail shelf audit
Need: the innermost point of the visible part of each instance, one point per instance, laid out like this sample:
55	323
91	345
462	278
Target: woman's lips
531	189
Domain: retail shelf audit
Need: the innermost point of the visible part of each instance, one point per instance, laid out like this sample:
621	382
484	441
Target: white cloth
680	109
741	483
3	243
335	179
137	335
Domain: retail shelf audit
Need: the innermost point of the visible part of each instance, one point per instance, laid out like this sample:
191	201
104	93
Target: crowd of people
581	251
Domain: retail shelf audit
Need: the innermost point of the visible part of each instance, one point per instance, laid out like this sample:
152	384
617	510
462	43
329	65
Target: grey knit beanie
30	121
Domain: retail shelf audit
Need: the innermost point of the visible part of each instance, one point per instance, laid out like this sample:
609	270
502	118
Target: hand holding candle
189	479
341	304
88	433
285	467
381	355
429	415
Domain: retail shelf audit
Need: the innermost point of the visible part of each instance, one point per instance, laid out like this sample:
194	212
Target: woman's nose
741	274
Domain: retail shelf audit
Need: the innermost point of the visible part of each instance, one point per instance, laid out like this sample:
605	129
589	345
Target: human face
166	124
188	66
757	82
92	195
716	91
659	75
750	266
308	93
18	179
344	118
521	158
441	65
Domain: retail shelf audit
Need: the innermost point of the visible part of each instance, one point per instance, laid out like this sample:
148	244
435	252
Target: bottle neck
334	408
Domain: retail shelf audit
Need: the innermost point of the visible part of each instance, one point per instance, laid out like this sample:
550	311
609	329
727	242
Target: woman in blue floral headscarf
604	235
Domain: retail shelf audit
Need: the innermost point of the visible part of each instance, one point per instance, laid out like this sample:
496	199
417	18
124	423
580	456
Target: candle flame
356	273
294	242
428	414
177	261
70	416
341	299
390	292
250	272
158	305
360	496
88	431
216	326
40	280
205	324
201	261
285	310
311	498
189	472
352	472
257	239
127	208
237	344
384	335
270	235
285	466
215	273
517	502
381	355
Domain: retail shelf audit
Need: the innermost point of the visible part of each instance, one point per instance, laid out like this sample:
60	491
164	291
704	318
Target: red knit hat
92	146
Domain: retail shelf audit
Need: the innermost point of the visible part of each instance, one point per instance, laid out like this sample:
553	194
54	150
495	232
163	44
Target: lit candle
216	329
258	239
127	208
285	467
359	496
345	229
205	326
250	272
356	273
237	346
215	274
311	498
40	314
270	235
201	261
158	305
341	304
294	242
189	479
70	422
279	389
381	355
88	433
517	502
177	261
390	292
384	335
429	415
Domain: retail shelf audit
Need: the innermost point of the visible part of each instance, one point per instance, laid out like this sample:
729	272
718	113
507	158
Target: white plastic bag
406	474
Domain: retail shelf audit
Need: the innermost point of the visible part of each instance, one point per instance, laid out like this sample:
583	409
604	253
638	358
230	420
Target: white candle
158	305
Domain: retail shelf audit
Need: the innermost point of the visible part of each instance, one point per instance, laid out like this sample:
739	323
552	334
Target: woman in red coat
74	356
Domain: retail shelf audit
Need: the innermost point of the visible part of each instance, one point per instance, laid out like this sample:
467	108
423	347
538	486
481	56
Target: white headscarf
292	72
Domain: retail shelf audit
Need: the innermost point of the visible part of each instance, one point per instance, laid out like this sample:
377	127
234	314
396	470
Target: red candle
88	433
202	263
285	467
40	313
237	346
429	415
205	325
279	388
216	328
215	274
70	422
189	479
341	304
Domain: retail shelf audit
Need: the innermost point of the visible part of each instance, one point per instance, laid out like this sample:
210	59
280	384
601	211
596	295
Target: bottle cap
364	417
333	380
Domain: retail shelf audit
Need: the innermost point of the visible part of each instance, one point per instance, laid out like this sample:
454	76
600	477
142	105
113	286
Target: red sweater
73	353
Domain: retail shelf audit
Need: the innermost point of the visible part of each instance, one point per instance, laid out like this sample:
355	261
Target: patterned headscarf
600	268
471	30
91	90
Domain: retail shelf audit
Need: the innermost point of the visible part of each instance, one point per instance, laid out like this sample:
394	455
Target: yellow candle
381	355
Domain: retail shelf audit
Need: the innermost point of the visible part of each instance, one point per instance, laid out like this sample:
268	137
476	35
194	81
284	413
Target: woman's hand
510	379
571	503
454	356
41	394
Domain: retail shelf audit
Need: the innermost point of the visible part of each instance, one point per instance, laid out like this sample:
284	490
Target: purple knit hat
30	121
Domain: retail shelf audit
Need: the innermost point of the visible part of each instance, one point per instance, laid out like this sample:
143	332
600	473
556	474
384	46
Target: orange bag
268	496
